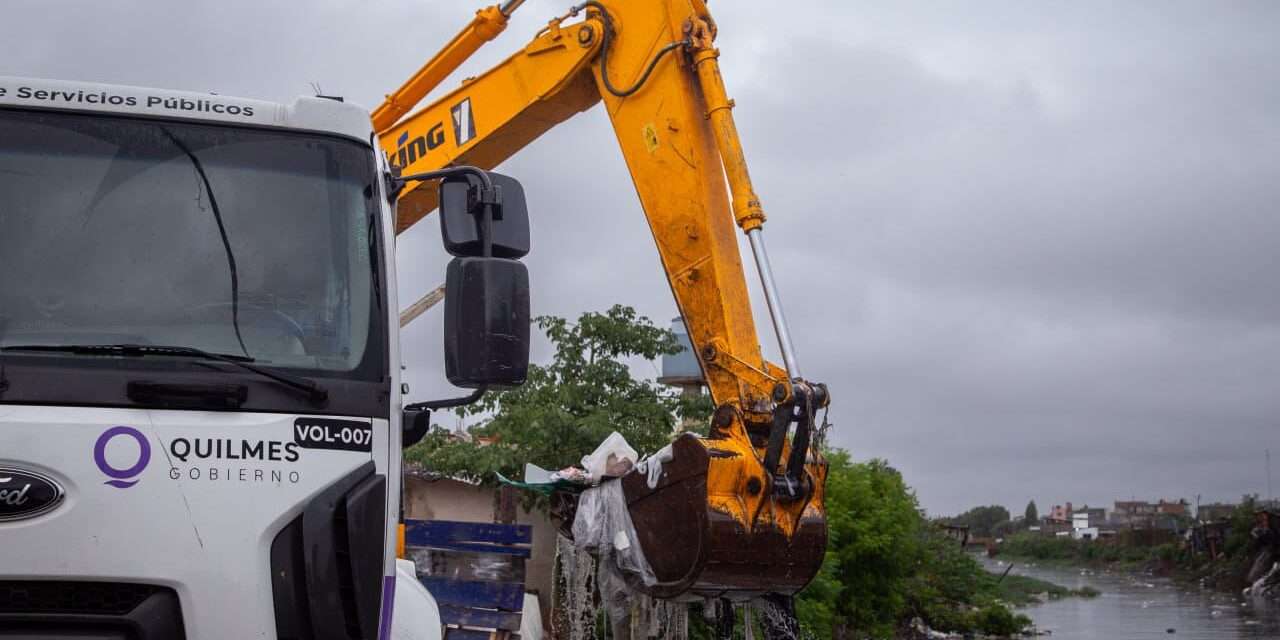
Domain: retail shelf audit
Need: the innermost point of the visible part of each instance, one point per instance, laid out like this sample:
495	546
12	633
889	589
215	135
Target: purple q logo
121	476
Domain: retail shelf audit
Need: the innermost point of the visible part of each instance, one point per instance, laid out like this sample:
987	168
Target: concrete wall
453	500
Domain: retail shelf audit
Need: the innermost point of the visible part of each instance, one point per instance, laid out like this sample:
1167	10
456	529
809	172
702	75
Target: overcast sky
1032	247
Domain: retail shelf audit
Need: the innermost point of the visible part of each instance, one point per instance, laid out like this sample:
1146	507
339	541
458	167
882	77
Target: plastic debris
612	459
571	474
533	474
545	482
573	594
531	619
603	527
651	466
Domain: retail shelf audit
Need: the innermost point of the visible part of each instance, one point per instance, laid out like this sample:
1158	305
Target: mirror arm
451	172
448	403
486	231
488	196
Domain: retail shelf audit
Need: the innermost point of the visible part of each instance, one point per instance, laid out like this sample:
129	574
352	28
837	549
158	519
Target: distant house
1136	514
1208	538
1060	513
1095	517
1050	527
1169	522
1215	511
1178	508
957	532
1080	527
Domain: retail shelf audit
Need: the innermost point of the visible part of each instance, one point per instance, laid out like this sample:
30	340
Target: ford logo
26	494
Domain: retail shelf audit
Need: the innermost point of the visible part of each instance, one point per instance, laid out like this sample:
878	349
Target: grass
1059	551
1025	590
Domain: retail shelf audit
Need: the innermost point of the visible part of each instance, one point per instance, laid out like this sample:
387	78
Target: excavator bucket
697	547
712	527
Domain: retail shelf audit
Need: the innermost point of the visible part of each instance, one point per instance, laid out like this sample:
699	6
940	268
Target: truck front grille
48	596
88	610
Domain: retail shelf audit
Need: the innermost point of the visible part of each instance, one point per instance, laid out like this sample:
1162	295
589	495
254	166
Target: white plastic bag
603	527
651	466
613	458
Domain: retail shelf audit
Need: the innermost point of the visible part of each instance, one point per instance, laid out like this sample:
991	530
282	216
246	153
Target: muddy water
1143	607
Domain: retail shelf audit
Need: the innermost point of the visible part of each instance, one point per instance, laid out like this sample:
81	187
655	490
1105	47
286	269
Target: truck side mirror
461	215
486	322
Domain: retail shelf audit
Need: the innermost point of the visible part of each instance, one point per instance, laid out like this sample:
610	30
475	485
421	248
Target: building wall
1085	533
1052	527
1060	513
1097	516
1211	512
453	500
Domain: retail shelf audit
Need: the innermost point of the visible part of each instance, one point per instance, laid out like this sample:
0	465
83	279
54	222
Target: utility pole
1270	497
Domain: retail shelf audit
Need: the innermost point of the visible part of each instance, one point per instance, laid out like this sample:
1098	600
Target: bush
1040	547
1064	549
1238	538
1022	590
886	564
996	620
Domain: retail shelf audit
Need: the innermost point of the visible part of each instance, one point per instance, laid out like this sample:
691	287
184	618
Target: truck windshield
234	241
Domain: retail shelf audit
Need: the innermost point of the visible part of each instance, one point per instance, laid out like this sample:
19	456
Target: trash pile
604	555
600	565
1267	585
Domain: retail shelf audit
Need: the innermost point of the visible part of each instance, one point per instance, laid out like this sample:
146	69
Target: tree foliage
982	521
1031	515
873	523
568	406
885	564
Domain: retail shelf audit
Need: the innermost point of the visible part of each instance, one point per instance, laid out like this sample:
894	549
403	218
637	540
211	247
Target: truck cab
200	395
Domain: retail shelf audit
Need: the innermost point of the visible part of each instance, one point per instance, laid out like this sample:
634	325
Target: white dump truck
201	409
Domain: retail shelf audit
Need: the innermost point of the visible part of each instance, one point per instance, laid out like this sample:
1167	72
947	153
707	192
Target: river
1141	606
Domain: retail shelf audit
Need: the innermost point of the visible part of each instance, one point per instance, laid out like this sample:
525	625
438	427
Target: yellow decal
650	137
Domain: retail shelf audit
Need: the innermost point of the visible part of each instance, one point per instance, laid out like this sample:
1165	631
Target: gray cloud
1031	247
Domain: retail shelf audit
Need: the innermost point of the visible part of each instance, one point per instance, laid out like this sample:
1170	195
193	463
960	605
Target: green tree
872	526
567	407
1239	538
1032	515
885	564
982	521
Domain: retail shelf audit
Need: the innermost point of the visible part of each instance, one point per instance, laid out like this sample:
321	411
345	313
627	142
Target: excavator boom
751	491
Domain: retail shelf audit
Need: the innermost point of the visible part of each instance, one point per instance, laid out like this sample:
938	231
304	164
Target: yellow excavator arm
654	66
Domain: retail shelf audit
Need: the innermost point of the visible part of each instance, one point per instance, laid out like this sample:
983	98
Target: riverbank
1134	605
1066	552
1230	554
1023	590
1233	570
1007	594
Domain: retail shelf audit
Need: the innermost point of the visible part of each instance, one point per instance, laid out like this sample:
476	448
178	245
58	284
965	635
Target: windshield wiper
316	393
222	232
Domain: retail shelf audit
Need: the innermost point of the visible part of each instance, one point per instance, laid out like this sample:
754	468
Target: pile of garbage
604	555
600	565
1264	585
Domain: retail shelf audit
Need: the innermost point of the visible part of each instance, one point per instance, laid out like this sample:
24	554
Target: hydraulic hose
607	39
